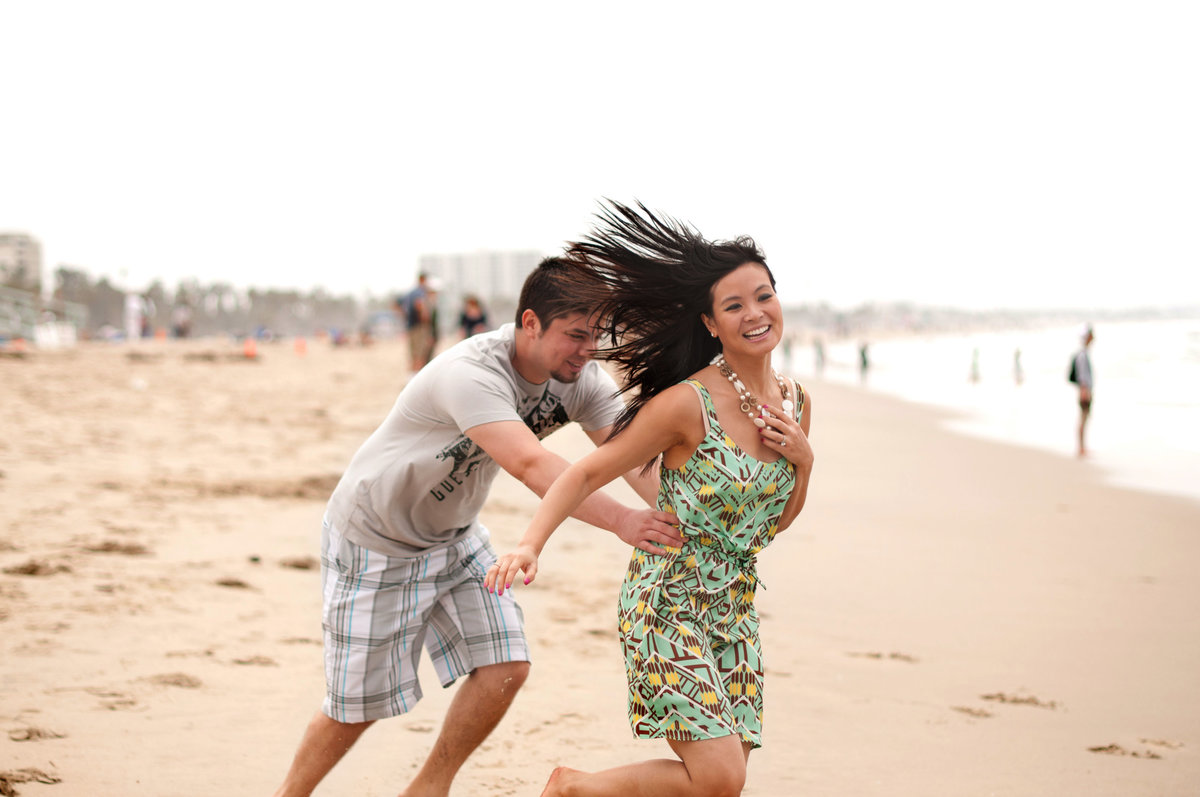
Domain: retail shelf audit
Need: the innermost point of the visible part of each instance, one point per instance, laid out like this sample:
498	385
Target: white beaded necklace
750	404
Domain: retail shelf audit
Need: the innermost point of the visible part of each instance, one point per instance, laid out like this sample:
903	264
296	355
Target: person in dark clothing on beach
1081	375
473	319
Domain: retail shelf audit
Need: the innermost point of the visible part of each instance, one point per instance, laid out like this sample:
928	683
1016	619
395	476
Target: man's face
564	347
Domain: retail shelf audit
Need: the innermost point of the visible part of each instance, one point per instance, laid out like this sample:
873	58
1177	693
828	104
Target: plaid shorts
380	610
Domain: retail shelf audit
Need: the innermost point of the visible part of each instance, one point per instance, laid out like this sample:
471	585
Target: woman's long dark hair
651	278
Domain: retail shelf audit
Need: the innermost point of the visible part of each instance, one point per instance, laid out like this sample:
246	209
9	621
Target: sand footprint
33	734
112	699
1020	700
36	567
24	775
179	679
894	656
259	661
980	713
114	546
1116	749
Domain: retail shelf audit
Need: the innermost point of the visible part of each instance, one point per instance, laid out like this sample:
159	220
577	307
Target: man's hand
647	529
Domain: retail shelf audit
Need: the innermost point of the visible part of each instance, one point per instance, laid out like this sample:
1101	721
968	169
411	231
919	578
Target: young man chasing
404	556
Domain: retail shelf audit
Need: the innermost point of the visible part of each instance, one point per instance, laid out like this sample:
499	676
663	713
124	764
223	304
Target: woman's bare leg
706	768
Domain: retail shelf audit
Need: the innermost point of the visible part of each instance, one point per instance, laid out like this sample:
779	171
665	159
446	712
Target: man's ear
531	323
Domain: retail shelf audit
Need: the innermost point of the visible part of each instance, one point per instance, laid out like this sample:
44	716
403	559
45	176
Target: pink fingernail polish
526	581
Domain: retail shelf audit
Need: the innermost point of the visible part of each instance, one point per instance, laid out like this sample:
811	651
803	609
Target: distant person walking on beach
473	319
864	361
435	326
417	307
1081	375
181	321
138	310
693	325
403	552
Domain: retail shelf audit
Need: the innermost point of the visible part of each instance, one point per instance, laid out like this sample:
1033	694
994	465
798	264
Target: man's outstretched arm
516	449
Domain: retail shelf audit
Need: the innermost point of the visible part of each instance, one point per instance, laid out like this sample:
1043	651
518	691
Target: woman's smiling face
746	314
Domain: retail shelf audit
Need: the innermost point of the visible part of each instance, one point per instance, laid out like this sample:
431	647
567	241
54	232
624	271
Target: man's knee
334	732
513	673
506	677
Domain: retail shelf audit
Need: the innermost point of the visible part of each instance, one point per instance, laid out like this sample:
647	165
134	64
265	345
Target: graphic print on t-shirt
546	415
542	415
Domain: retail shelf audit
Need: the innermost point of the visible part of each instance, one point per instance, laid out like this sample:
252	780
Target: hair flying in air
651	278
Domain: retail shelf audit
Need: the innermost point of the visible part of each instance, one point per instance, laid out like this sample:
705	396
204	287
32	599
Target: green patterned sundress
687	620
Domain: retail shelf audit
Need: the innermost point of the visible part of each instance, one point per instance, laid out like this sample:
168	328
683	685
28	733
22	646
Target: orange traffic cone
250	349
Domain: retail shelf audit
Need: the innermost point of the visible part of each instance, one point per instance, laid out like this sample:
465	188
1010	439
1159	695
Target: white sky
998	154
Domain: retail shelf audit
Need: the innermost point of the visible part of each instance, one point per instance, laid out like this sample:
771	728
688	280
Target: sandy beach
947	617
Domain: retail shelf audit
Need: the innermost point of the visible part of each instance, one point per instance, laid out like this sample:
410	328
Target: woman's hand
501	575
790	438
785	435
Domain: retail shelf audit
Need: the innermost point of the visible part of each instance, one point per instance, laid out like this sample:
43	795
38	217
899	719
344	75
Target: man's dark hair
552	291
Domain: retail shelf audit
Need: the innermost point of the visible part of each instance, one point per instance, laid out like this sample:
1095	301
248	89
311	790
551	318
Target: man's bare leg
325	742
478	707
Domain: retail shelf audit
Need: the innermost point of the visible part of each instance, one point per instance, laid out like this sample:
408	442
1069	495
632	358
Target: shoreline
1140	434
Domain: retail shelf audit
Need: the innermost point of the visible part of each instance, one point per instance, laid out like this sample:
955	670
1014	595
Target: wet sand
948	617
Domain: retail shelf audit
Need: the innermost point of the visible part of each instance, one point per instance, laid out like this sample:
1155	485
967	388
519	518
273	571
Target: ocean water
1144	430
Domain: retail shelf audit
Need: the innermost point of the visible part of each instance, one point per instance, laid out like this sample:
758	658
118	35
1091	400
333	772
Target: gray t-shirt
418	482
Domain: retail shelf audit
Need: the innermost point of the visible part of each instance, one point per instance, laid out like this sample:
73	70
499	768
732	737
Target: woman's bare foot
560	782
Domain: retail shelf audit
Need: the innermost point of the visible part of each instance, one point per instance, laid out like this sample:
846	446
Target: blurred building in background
24	314
495	278
20	262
